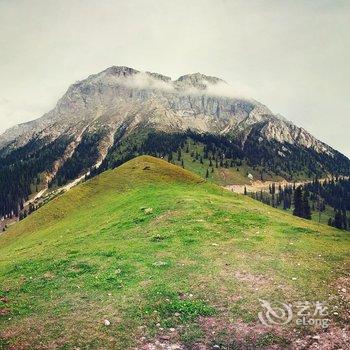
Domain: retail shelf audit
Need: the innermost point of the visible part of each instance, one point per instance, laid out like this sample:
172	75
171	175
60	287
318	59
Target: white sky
292	55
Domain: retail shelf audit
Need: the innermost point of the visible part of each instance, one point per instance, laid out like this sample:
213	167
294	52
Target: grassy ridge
155	249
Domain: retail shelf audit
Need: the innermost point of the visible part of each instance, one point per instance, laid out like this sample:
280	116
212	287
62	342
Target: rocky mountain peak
159	77
120	71
198	102
199	80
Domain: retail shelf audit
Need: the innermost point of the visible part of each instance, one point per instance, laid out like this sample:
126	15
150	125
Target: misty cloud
143	80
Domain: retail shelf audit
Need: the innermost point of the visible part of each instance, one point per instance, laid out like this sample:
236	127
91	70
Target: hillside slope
120	113
171	262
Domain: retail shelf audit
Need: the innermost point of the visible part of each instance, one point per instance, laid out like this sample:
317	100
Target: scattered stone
177	314
343	290
164	337
49	275
148	211
4	312
172	329
106	322
216	347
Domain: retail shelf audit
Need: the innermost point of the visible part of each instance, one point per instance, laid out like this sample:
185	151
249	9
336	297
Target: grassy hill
225	173
171	261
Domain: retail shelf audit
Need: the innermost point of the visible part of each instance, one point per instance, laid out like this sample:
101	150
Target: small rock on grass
164	337
148	211
106	322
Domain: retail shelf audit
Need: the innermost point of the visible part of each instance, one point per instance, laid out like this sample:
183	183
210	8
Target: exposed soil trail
256	186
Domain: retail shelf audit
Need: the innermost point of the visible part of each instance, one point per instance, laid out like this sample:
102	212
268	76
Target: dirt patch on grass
333	338
342	295
239	335
244	336
12	338
166	340
161	344
4	311
252	331
252	280
342	285
164	217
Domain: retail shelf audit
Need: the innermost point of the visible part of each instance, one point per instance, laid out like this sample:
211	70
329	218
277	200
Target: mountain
150	256
119	113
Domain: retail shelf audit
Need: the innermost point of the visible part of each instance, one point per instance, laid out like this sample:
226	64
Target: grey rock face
122	95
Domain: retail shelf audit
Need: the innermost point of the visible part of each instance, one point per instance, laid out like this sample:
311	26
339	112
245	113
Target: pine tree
306	211
338	220
330	222
179	154
298	202
345	224
207	174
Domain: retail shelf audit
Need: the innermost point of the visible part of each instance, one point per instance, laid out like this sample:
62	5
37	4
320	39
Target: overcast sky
293	56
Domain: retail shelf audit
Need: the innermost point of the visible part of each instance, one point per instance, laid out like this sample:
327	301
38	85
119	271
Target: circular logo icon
277	315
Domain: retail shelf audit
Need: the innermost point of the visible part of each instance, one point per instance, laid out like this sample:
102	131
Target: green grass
223	176
151	246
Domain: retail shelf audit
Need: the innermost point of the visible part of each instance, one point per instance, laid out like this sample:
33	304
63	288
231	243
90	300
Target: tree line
313	197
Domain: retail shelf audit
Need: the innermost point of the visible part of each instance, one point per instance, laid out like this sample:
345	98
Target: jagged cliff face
122	96
96	115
